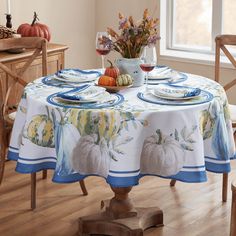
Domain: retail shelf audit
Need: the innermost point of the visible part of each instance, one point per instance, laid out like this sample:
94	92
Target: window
191	26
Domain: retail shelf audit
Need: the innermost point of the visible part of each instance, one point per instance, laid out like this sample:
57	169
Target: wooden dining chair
10	82
221	43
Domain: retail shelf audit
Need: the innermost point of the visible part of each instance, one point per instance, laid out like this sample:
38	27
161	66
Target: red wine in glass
102	51
147	67
101	48
149	59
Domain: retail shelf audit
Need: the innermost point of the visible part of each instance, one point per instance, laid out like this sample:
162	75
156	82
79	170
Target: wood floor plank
189	209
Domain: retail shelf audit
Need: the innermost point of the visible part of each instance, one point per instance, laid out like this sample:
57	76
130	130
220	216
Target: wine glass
101	48
149	61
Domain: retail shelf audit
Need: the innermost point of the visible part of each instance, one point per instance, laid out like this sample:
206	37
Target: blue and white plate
203	97
175	92
87	76
165	75
76	75
112	100
159	73
84	93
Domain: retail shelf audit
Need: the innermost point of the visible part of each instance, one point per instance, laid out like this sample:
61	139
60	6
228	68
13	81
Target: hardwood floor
189	209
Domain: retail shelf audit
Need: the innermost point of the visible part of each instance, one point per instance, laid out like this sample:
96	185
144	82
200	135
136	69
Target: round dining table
131	135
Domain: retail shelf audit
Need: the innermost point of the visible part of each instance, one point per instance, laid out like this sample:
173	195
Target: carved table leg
120	218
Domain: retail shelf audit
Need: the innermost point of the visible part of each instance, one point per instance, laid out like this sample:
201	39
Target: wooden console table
56	60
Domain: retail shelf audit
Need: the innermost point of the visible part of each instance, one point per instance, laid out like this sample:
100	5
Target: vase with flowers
131	40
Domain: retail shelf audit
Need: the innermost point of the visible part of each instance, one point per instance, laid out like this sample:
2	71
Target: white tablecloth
124	142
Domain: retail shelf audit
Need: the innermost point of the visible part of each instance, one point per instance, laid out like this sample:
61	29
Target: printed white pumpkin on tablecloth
162	155
91	155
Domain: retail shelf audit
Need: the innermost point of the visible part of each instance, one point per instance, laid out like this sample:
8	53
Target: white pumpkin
165	157
91	156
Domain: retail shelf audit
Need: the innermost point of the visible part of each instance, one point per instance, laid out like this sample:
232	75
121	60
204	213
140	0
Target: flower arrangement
133	36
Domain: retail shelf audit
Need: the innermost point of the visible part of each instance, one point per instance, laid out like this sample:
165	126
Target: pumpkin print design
165	154
63	133
91	155
101	122
220	141
162	156
40	131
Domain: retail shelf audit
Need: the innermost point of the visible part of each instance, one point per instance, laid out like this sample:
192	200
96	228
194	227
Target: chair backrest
221	42
11	77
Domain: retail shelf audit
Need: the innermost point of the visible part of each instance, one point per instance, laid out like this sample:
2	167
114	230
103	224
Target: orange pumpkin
35	29
112	71
107	81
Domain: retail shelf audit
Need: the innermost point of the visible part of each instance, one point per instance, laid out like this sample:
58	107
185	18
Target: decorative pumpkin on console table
34	29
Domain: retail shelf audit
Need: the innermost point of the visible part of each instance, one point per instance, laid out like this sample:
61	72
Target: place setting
86	96
162	74
69	78
175	95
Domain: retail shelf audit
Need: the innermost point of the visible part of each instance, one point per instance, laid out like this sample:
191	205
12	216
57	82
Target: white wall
75	23
72	22
107	14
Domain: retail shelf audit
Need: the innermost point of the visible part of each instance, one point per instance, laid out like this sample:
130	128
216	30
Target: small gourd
124	80
112	71
107	81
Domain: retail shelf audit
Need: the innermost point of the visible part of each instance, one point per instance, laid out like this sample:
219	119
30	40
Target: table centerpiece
131	40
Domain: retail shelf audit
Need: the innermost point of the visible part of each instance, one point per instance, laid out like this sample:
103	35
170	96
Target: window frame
177	53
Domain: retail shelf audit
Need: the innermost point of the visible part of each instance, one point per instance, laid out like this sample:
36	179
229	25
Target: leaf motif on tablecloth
186	147
176	135
206	124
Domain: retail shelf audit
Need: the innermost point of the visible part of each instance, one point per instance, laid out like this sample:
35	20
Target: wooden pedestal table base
120	218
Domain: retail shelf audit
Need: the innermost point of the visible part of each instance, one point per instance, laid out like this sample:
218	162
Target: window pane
192	23
229	16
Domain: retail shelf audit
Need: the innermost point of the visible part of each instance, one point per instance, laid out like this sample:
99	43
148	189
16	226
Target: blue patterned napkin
82	93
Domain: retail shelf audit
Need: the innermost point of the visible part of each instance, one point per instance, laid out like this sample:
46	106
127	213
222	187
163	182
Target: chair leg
225	187
33	191
83	187
44	174
2	162
233	211
172	182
